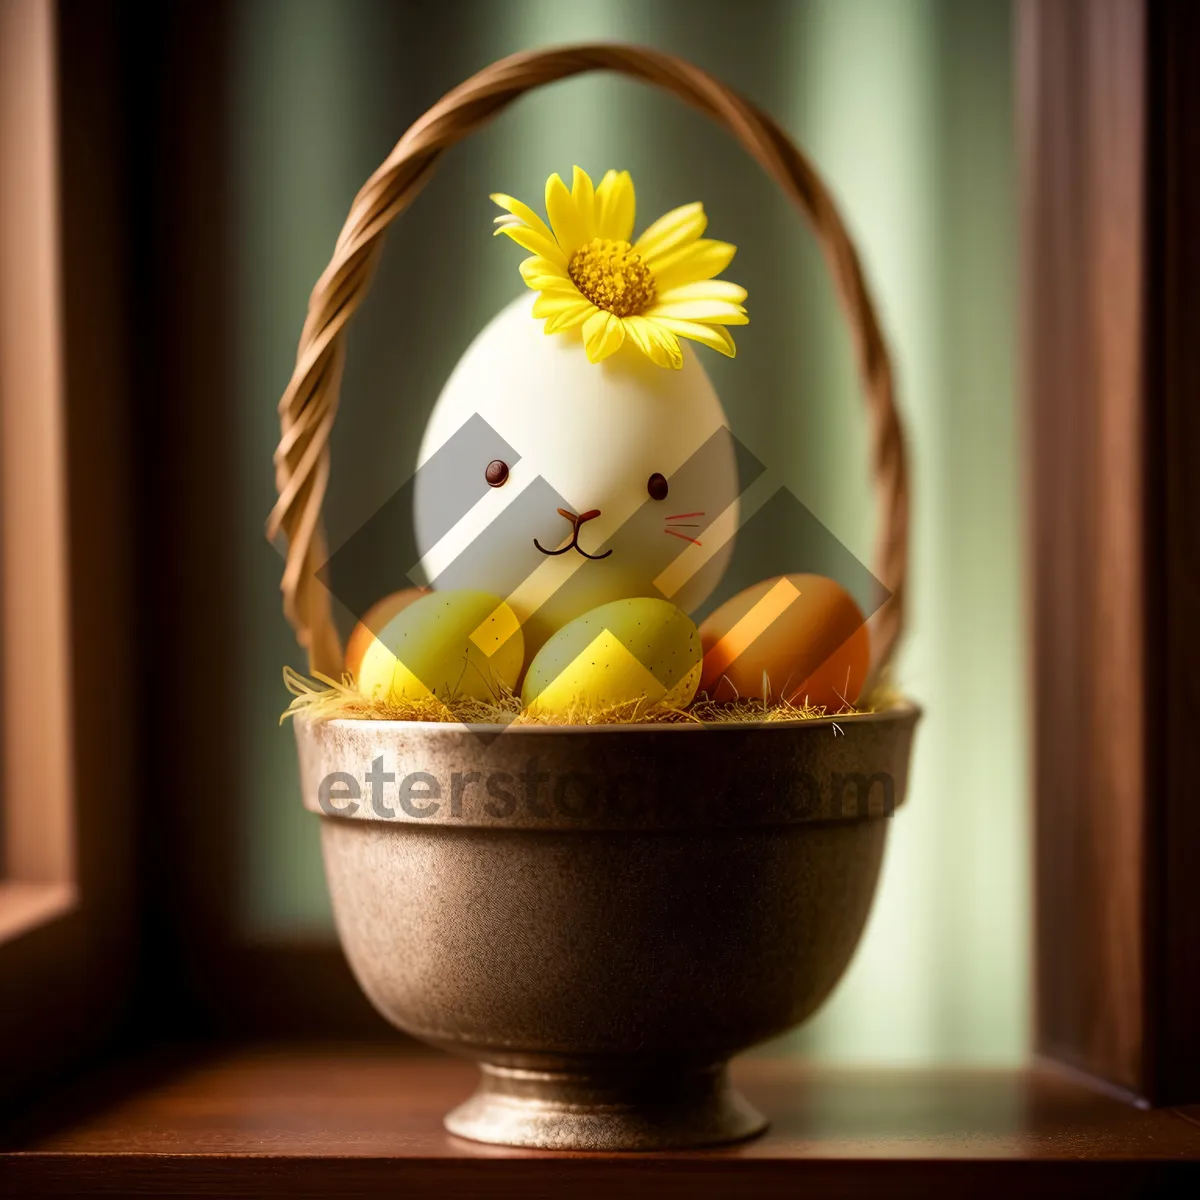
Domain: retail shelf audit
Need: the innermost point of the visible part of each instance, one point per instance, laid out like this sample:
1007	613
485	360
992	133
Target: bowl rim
904	710
798	773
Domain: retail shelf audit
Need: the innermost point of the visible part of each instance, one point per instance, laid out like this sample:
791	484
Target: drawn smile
577	522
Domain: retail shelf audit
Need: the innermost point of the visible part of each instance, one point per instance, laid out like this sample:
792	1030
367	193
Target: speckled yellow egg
447	644
376	617
617	653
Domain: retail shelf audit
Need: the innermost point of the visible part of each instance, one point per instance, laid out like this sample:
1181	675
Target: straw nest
322	698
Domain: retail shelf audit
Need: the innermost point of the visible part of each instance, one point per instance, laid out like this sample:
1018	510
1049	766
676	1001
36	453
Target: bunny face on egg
560	484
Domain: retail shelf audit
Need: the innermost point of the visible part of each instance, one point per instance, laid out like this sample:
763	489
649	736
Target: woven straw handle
309	405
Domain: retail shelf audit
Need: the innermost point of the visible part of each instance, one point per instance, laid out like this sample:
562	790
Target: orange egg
803	633
373	620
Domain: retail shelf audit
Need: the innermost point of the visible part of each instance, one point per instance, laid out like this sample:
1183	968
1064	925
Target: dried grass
325	699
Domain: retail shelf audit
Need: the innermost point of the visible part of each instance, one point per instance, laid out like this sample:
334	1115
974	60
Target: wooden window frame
67	936
37	876
1110	139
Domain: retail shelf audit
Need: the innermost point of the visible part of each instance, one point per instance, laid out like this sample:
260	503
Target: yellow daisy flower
653	291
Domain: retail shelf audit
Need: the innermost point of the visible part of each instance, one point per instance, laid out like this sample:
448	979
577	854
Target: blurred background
906	106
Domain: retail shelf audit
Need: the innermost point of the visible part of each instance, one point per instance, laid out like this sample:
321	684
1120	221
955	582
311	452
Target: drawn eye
656	485
497	473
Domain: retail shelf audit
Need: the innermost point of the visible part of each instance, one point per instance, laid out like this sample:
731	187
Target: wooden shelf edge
536	1176
365	1120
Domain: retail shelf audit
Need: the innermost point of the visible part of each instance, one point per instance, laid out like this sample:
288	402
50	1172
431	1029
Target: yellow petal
636	329
655	341
703	289
552	300
603	333
584	196
522	212
615	204
535	243
679	227
669	346
716	336
569	316
718	311
556	292
541	272
570	229
703	259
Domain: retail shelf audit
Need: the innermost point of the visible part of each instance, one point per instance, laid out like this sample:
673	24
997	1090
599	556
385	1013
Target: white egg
586	438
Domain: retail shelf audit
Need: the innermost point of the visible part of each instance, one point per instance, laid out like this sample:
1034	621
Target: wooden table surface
366	1120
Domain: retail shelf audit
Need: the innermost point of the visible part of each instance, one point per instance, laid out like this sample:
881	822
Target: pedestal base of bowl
548	1110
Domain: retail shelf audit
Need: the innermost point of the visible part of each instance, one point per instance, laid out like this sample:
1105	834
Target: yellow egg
617	653
376	617
447	644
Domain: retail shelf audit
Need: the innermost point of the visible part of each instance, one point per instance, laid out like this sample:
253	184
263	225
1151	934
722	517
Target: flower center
612	276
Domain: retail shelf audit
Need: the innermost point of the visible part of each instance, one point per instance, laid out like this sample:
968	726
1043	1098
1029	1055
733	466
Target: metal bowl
602	916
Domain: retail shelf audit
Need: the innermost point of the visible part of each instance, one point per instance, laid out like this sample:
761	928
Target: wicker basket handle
309	405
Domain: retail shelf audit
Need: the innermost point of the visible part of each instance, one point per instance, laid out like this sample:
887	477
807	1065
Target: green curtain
906	106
